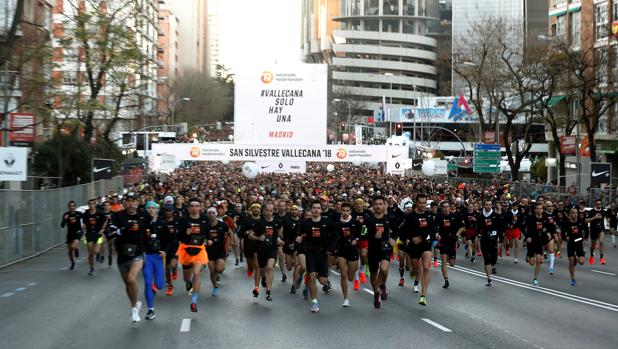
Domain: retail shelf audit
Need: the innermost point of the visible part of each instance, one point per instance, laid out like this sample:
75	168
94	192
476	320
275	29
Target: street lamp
390	102
349	111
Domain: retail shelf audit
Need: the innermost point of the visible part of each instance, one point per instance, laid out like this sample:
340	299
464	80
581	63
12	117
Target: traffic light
342	126
398	129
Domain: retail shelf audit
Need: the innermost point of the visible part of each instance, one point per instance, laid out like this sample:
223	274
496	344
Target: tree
111	70
347	103
210	100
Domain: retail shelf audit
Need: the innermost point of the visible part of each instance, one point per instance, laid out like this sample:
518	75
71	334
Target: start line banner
232	152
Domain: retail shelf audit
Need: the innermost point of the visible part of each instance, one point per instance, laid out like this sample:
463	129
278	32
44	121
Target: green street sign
487	154
452	167
486	162
486	169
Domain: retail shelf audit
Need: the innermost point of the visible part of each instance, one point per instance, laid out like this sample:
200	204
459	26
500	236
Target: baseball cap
150	204
168	200
324	197
131	196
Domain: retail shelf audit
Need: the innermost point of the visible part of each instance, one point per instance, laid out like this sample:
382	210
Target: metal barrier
30	219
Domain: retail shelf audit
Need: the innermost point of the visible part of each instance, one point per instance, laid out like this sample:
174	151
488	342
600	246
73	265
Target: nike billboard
601	173
102	169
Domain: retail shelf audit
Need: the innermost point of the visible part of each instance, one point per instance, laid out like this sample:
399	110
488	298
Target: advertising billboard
281	104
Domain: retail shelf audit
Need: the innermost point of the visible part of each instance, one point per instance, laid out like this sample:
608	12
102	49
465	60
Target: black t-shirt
574	230
246	224
514	219
552	221
181	212
93	221
330	214
470	219
418	225
317	236
73	221
157	236
174	231
360	216
290	229
347	232
130	229
537	228
489	226
447	226
216	234
197	229
611	215
270	229
378	232
596	225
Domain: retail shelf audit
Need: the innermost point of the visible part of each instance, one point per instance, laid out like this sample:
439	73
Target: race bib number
315	232
422	222
379	230
446	223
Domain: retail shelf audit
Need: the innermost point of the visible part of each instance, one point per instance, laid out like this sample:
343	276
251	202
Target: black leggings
490	252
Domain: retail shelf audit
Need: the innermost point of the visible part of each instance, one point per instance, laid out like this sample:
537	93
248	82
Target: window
561	26
615	11
355	7
600	20
7	10
408	27
391	7
576	29
372	7
372	25
355	25
390	26
408	8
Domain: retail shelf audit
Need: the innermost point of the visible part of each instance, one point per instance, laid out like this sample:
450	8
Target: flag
382	114
459	109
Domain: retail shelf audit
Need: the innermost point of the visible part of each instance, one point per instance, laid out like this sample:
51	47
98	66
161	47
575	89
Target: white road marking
32	283
335	272
602	272
186	325
20	289
8	294
368	291
436	325
555	293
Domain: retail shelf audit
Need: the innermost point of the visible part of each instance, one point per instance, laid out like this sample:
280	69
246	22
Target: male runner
470	225
449	227
72	219
573	229
348	234
215	247
490	235
267	232
129	228
290	233
107	211
612	221
595	218
95	224
171	259
554	231
380	246
538	233
359	214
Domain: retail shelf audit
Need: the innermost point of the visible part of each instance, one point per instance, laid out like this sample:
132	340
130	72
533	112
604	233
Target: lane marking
335	272
8	294
551	292
436	325
32	283
368	291
20	289
602	272
185	326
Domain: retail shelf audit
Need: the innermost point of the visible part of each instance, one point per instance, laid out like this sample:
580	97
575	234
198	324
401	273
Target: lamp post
390	101
349	113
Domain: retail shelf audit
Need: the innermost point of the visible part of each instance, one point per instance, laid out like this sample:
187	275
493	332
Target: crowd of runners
299	226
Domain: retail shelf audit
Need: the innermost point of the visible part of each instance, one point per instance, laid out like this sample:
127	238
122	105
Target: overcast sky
259	31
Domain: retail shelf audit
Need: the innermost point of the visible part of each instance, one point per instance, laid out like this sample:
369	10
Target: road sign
487	155
486	162
486	169
486	147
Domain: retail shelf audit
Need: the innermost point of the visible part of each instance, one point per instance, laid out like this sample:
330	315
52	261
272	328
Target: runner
171	259
359	214
433	211
612	221
315	234
595	218
490	235
72	220
470	221
129	229
191	252
217	230
157	239
282	214
348	234
554	232
404	258
573	229
250	247
538	233
380	247
290	233
107	211
267	232
449	227
418	232
94	224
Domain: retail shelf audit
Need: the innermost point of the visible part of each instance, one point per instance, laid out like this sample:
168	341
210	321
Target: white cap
168	200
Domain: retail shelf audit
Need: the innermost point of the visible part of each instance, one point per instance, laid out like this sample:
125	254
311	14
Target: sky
260	31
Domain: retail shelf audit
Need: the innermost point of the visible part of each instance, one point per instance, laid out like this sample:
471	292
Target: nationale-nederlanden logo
267	77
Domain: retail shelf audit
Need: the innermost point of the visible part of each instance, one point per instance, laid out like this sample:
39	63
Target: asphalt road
45	305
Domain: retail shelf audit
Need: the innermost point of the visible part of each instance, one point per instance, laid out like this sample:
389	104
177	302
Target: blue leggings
153	269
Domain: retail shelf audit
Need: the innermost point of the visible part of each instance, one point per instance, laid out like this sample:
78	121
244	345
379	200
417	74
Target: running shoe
508	253
327	287
488	284
72	265
573	282
109	260
91	272
515	261
493	270
401	282
591	260
193	307
603	261
422	301
435	264
558	253
293	290
472	259
356	285
535	282
416	289
315	307
268	296
256	292
346	303
478	253
215	292
363	278
446	284
551	271
263	282
383	292
150	315
377	303
102	259
249	274
174	274
135	315
170	290
189	286
237	264
284	278
306	293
